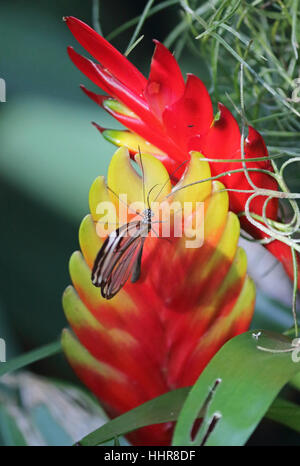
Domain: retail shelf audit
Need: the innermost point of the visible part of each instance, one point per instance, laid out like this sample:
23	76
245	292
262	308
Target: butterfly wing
117	257
123	269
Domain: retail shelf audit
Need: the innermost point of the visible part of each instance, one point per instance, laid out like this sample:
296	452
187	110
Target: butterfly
121	253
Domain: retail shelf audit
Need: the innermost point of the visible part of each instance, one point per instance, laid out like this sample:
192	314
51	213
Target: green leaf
124	26
30	357
139	26
161	409
295	381
236	389
251	379
286	413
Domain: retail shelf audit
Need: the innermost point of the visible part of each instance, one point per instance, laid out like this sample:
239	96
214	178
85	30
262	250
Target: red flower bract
159	333
177	117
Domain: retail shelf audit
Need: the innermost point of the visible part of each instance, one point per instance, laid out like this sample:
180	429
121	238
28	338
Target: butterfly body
147	214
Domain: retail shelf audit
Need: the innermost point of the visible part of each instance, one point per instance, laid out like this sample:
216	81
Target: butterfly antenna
167	181
143	177
198	182
148	195
120	200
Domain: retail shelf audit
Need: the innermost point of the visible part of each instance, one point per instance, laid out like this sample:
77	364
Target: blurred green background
50	154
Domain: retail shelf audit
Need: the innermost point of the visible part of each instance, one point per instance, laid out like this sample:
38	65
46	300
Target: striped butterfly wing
117	257
123	269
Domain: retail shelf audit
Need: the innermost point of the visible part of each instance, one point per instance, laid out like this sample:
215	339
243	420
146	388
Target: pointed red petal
283	253
107	55
255	147
169	163
157	138
104	345
88	68
190	115
223	140
113	87
115	391
101	129
165	83
98	98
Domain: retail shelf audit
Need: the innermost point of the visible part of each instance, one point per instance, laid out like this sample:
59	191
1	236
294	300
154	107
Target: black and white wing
117	257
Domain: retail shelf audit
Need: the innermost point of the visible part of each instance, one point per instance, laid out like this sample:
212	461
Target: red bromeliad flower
168	118
159	333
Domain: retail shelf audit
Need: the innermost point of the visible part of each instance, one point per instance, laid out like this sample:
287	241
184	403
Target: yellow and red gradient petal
229	324
89	240
205	296
122	178
216	212
159	333
98	195
198	323
129	119
122	311
216	262
196	171
138	126
136	143
117	107
224	253
177	265
115	387
98	377
206	305
104	343
132	141
103	212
